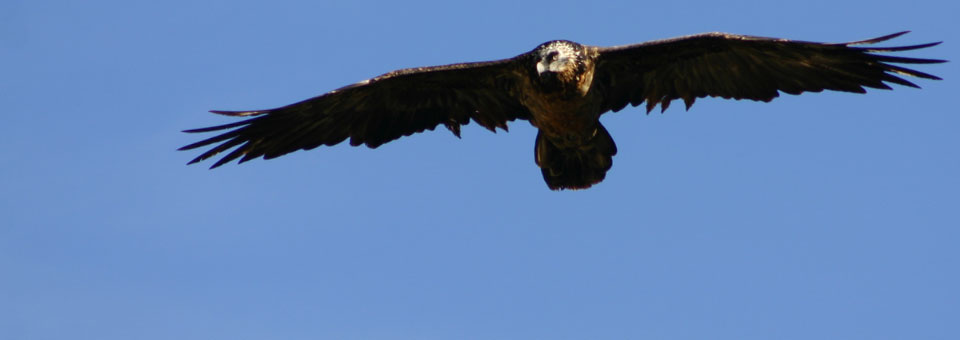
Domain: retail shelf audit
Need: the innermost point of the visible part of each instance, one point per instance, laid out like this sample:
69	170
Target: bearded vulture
561	88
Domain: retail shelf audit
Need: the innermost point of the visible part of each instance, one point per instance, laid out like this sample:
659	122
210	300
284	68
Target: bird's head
560	65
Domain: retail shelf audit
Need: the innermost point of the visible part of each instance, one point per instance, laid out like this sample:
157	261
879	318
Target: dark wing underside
744	67
375	111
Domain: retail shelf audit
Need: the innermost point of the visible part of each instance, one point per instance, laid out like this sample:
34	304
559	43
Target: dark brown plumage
562	88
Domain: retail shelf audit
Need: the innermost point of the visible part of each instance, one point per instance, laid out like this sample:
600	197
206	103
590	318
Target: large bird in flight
561	88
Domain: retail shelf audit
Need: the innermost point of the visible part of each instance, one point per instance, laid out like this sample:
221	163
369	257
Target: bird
561	88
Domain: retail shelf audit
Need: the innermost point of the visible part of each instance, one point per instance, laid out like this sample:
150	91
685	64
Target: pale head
561	66
558	56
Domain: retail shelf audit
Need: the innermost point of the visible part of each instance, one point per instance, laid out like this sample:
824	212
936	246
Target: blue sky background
821	216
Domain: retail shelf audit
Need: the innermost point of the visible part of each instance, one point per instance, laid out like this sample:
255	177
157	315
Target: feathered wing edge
883	61
886	59
221	137
456	96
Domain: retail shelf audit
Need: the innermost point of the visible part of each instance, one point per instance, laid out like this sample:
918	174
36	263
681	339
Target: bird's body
562	88
562	106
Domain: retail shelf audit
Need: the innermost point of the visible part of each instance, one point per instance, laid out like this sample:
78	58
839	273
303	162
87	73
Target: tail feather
575	168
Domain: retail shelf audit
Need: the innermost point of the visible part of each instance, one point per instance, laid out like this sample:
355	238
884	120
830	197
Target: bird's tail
577	167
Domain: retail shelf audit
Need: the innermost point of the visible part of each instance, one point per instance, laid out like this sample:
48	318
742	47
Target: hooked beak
556	66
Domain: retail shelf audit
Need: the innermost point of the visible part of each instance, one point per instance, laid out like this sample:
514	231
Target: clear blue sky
821	216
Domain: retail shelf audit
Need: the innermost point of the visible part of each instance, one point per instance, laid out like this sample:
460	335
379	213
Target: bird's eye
553	55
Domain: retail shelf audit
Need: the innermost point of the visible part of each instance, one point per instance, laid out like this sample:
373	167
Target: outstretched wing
743	67
375	111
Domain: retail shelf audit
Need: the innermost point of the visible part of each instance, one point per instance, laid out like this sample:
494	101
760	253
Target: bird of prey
561	88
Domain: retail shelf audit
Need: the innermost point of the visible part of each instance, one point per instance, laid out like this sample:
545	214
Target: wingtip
195	160
195	130
220	162
239	113
902	48
878	39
